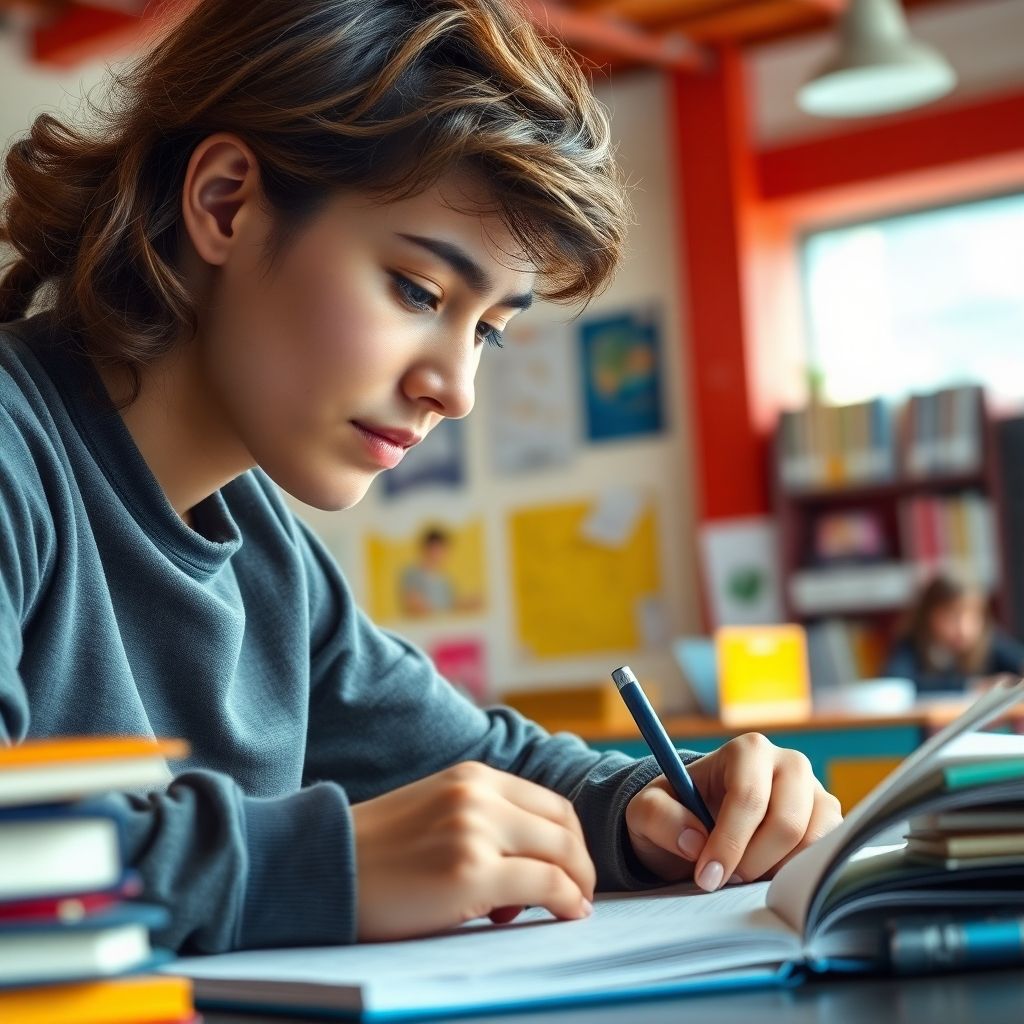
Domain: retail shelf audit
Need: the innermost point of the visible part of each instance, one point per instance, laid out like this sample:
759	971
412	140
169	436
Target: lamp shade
878	68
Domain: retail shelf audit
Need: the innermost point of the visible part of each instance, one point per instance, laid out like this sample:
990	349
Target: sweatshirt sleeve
234	871
381	717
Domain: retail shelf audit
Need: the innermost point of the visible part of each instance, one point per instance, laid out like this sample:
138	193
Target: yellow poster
579	586
436	571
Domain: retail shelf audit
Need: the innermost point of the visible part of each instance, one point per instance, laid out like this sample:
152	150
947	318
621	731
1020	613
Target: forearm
239	872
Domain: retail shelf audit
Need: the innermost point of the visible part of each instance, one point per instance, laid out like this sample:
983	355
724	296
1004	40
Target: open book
826	909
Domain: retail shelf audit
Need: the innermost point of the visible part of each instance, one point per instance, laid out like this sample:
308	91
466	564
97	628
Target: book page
631	939
793	889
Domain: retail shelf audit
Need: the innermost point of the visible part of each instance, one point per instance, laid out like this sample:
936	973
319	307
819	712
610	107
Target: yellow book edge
32	753
133	1000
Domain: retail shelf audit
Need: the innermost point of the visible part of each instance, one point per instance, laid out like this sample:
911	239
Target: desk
850	753
992	997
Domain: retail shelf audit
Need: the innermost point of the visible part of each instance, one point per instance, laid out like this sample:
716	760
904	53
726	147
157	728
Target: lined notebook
826	910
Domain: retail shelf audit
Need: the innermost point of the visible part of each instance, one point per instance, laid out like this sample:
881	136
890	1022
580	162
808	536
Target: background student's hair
331	95
940	592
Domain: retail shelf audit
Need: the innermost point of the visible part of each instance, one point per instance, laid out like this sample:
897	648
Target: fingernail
691	842
588	908
711	876
734	879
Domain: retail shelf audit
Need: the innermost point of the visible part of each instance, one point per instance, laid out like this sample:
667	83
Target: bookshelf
870	500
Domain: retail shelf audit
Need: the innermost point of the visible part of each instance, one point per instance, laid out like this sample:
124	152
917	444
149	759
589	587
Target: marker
661	746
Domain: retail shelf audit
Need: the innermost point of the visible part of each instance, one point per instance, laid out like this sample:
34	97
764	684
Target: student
950	640
276	262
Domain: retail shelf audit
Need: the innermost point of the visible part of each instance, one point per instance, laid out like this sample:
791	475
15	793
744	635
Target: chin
330	490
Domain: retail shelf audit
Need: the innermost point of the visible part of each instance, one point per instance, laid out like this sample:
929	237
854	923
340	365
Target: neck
180	428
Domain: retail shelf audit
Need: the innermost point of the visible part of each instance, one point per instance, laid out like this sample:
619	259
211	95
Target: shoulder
28	434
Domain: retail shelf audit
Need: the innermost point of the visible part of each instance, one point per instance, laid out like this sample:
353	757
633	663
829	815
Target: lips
396	435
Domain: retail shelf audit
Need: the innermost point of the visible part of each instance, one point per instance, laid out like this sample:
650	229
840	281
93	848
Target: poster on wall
575	593
533	426
621	356
741	571
438	460
437	570
463	663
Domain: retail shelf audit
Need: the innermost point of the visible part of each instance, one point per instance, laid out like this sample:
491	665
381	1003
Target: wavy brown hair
383	96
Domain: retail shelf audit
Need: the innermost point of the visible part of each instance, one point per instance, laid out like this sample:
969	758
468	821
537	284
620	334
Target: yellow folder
762	673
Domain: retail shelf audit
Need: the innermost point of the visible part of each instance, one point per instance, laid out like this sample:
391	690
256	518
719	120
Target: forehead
459	209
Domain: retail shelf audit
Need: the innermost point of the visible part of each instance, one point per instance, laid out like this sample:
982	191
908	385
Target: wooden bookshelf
952	517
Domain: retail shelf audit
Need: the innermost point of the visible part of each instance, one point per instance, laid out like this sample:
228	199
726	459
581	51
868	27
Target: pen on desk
661	746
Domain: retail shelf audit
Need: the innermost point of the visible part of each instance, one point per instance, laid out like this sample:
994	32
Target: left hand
767	806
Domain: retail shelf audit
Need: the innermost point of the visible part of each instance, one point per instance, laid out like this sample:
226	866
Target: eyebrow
467	268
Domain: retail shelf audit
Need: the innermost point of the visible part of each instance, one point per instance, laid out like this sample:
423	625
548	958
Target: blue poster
621	375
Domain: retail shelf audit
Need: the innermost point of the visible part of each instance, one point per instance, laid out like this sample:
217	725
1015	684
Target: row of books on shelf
958	530
836	445
826	446
75	942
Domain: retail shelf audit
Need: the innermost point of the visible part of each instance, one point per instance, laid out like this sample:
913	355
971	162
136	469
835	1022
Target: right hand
469	841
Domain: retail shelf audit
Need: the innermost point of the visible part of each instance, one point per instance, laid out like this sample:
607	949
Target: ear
220	193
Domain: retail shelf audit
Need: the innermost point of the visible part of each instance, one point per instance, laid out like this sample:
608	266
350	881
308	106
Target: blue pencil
661	746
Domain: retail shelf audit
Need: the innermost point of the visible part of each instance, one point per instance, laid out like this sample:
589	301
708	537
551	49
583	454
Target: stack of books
73	941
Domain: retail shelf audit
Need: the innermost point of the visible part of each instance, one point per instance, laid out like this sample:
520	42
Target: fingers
827	814
771	809
524	834
747	793
784	825
527	882
530	796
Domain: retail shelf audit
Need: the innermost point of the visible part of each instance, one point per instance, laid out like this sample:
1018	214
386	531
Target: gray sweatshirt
240	635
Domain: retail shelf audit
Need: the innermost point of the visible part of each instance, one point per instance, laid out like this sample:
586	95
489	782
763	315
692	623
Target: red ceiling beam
966	132
618	38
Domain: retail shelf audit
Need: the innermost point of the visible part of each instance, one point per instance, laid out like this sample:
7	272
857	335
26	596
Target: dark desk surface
987	997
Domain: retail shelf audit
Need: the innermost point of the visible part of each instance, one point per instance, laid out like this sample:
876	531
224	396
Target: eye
414	296
485	332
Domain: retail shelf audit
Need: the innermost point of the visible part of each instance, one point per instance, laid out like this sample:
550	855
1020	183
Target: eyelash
421	300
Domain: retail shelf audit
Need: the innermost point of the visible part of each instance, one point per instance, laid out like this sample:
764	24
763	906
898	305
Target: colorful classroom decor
763	674
621	359
463	662
575	595
741	571
436	570
437	461
532	424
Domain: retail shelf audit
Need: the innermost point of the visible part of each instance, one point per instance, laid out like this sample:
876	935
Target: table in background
848	752
986	997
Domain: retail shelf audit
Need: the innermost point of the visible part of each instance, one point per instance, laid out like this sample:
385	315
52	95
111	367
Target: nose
444	379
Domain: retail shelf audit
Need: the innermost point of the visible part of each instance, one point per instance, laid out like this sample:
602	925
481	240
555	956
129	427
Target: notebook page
794	887
631	939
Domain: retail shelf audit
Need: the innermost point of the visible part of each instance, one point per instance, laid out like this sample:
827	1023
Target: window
919	301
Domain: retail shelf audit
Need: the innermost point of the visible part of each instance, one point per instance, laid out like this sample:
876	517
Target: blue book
59	849
101	945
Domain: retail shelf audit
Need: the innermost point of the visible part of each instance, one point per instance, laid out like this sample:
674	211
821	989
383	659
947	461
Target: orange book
145	999
67	768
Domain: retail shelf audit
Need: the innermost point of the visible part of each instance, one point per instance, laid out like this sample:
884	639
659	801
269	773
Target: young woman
950	640
275	261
